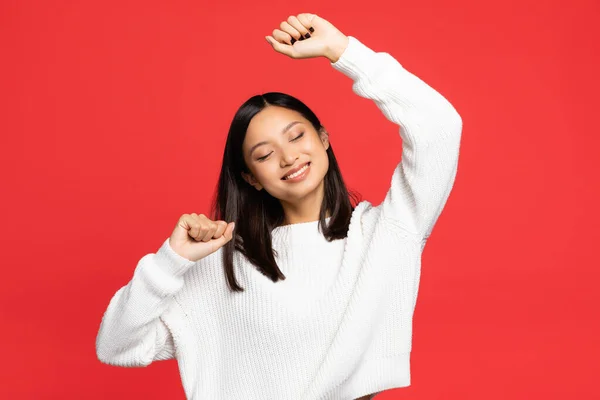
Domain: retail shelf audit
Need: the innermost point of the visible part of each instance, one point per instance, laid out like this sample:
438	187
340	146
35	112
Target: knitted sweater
340	326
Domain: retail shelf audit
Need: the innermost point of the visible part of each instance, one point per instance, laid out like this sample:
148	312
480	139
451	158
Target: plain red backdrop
113	118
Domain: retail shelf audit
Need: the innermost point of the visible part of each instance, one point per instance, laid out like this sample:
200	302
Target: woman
329	288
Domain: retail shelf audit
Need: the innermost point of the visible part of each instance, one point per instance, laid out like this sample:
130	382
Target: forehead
270	121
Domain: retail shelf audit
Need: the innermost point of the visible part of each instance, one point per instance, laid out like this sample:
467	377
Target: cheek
314	146
319	150
319	155
267	172
325	162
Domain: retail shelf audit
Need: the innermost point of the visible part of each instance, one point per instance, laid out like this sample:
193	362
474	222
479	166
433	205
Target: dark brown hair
257	213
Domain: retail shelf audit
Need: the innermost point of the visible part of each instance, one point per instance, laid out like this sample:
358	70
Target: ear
248	177
324	135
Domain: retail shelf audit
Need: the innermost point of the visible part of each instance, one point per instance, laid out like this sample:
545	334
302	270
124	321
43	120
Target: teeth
297	173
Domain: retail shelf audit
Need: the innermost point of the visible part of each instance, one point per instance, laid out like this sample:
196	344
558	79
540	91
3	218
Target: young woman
314	297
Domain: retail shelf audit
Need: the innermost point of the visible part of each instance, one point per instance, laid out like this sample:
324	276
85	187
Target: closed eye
263	158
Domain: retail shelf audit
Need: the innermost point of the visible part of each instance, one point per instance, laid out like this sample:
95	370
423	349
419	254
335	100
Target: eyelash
293	140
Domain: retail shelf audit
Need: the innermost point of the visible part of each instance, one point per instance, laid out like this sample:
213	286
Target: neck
306	209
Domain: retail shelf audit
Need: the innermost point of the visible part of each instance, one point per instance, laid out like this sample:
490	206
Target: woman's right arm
132	333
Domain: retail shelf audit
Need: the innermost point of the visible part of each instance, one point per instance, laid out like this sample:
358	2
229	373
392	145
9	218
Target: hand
196	236
308	36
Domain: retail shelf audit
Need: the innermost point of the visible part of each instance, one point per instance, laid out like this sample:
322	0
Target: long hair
257	213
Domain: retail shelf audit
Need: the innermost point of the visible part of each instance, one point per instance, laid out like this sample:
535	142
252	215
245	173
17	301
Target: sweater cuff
356	60
171	262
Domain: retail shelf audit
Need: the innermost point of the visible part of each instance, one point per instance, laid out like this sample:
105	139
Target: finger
191	224
283	37
297	25
200	226
227	235
290	30
204	224
307	20
280	47
221	226
195	231
211	228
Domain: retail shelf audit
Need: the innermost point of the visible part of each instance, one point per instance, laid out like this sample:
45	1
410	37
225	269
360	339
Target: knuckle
291	19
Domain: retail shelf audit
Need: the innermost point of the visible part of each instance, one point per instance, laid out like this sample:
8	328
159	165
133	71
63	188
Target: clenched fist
308	36
196	236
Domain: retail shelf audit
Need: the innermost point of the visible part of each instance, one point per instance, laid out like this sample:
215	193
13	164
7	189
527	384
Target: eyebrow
284	130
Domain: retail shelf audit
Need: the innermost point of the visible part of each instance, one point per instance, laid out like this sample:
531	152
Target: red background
113	118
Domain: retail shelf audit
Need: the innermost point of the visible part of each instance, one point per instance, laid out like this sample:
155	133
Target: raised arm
430	128
132	333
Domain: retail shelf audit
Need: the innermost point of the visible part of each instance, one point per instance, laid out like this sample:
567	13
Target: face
286	156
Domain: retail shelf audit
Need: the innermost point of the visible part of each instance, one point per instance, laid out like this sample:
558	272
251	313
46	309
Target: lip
298	168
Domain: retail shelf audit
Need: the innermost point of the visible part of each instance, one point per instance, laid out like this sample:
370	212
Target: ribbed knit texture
340	326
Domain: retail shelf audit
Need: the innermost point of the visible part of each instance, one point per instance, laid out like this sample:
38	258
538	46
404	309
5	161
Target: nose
288	157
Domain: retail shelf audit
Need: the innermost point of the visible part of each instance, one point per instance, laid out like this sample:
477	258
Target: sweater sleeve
132	333
430	129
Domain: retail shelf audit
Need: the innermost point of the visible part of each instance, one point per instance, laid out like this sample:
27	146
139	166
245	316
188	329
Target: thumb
226	237
280	47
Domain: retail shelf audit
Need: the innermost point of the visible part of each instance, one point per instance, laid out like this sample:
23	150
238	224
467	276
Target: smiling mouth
297	173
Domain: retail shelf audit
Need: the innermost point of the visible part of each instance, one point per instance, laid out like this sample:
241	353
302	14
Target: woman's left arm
430	129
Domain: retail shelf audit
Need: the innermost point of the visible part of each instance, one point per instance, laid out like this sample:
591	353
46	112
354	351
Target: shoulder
364	216
369	221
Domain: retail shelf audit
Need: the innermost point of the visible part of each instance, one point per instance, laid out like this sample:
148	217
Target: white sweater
340	325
